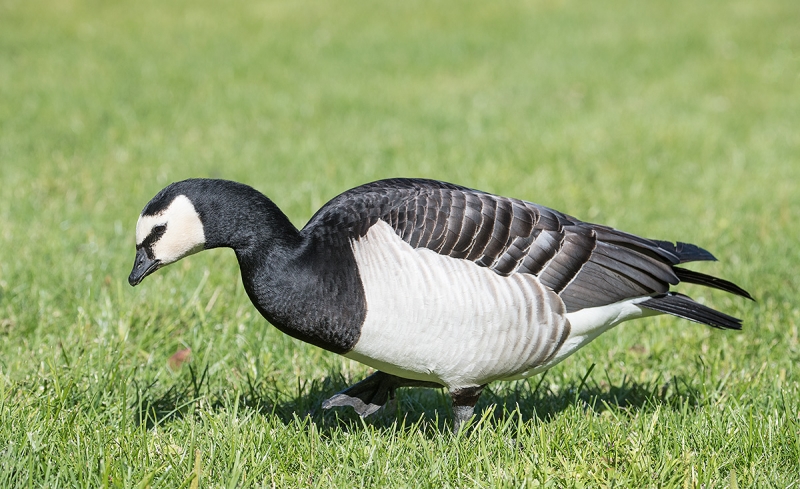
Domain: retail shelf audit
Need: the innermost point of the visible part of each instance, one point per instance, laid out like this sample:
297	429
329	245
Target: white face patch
183	235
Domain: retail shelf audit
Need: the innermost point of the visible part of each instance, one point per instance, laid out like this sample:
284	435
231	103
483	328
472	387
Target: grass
670	120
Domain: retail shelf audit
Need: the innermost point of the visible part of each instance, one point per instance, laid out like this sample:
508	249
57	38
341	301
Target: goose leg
370	394
464	401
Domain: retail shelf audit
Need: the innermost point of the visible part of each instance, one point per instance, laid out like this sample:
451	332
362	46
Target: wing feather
576	249
541	251
588	265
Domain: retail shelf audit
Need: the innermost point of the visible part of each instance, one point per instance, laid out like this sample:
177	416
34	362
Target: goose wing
587	265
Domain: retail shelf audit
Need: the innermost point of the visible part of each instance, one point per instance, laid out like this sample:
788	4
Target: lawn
671	120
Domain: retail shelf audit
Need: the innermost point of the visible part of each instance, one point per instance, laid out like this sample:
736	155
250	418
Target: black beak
142	267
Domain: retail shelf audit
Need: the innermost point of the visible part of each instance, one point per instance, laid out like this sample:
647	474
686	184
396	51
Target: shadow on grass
425	408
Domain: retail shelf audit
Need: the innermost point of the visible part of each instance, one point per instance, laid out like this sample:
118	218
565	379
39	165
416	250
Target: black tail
683	306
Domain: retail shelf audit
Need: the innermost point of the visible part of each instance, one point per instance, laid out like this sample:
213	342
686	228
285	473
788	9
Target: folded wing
588	265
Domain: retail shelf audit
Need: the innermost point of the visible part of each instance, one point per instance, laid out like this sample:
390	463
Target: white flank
184	234
588	324
432	317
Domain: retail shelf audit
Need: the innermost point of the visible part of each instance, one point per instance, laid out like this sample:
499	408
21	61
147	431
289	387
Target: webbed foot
372	393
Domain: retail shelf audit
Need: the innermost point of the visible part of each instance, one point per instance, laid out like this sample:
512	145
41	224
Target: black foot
370	394
464	401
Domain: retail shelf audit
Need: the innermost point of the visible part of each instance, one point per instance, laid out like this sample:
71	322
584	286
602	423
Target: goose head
169	228
201	213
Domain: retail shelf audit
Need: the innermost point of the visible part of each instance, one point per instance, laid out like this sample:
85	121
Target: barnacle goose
430	283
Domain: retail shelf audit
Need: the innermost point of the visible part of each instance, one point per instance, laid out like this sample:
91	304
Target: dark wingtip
692	277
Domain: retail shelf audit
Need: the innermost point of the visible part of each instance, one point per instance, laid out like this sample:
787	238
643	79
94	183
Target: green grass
673	120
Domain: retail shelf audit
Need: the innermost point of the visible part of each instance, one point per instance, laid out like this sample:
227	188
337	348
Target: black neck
307	289
237	216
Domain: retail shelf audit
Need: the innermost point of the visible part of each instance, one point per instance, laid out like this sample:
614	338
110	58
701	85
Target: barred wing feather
588	265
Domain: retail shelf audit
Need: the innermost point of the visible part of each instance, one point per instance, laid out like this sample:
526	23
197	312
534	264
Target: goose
429	283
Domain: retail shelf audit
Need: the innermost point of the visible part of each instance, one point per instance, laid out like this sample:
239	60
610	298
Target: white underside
435	318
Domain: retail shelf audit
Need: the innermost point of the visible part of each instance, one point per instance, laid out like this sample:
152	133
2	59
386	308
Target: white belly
431	317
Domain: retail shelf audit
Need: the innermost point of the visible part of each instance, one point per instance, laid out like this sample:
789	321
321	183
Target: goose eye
159	229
